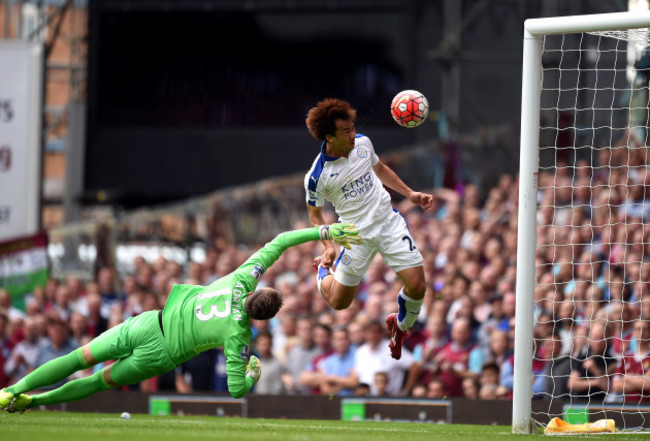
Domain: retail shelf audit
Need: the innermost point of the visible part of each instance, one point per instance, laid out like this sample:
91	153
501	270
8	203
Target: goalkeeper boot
5	399
19	403
396	337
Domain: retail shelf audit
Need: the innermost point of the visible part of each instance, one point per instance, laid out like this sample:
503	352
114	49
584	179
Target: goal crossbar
586	23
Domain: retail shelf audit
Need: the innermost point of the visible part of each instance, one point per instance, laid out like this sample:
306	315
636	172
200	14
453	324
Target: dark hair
263	304
324	327
266	334
321	119
491	366
376	324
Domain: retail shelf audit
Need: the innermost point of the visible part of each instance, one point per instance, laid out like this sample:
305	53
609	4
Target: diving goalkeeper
194	319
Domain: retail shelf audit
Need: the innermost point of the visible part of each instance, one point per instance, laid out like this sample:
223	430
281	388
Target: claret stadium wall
456	410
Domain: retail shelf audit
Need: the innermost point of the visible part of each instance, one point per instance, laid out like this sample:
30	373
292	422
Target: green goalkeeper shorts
139	346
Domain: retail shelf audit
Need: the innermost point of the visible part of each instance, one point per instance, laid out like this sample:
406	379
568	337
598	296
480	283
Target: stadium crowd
589	307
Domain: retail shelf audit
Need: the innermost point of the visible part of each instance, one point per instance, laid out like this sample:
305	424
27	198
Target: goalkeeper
194	319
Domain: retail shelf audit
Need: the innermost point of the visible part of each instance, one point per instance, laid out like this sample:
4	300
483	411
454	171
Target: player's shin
408	310
72	391
51	372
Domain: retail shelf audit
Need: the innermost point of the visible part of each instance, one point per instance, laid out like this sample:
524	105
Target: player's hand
254	368
343	234
327	258
424	200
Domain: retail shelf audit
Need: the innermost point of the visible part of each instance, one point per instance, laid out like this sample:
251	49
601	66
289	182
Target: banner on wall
21	79
23	265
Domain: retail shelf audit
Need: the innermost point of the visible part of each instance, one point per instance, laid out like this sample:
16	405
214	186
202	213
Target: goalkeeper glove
343	234
254	368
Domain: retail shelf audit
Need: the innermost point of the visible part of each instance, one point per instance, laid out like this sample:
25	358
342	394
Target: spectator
322	339
195	375
470	388
356	334
50	294
95	321
337	376
62	302
22	359
270	382
311	377
77	300
5	348
7	308
381	382
58	343
372	357
482	308
495	317
632	376
592	366
499	351
362	390
557	369
489	382
451	363
437	389
425	353
109	295
284	336
299	358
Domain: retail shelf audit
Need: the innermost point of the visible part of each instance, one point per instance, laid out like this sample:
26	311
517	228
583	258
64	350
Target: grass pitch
67	426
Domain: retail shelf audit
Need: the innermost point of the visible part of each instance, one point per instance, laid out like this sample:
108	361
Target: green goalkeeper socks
51	372
73	390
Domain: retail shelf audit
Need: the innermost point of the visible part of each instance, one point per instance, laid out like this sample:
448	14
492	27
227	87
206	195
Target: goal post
595	136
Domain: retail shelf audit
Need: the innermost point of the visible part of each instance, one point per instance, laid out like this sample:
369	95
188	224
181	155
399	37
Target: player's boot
19	403
320	273
396	337
5	399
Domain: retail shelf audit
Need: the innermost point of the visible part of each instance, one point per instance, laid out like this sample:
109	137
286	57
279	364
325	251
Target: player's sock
408	310
320	274
73	390
51	372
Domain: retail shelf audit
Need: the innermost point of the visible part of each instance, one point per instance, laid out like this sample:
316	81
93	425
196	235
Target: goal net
583	293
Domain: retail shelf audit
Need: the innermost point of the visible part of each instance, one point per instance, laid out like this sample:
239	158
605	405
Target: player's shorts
138	344
390	238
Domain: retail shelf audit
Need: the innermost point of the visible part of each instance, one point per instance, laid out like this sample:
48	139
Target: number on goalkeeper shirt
215	311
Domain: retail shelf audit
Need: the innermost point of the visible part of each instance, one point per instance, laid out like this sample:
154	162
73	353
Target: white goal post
535	33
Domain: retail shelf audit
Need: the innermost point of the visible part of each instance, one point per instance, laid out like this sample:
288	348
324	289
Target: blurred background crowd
589	302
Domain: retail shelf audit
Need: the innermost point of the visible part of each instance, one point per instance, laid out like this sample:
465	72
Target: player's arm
343	234
316	218
237	357
342	382
578	383
390	179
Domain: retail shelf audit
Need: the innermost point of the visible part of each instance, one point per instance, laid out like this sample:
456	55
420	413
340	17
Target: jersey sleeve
313	192
237	351
258	263
373	156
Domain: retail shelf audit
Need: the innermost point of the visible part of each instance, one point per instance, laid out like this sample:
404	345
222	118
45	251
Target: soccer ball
409	108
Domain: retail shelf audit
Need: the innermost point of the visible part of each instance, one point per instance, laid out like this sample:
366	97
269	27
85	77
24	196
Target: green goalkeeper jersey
198	318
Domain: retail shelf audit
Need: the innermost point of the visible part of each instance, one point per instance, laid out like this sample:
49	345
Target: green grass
67	426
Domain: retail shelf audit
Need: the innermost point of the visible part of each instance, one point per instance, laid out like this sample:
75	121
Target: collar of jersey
325	157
